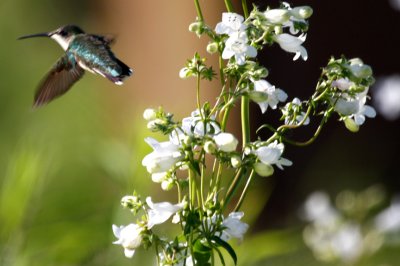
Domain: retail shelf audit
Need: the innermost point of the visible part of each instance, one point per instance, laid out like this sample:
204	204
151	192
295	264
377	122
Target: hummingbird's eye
63	33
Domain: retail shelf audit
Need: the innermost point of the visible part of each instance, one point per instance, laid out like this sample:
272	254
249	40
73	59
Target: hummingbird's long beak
44	34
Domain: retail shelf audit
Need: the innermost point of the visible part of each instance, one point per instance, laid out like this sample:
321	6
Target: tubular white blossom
277	16
274	95
292	44
160	212
234	227
237	46
231	23
164	156
271	154
129	237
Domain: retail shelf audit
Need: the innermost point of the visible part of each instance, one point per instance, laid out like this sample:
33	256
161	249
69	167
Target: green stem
245	120
198	9
198	97
229	5
233	187
245	10
316	134
191	189
245	190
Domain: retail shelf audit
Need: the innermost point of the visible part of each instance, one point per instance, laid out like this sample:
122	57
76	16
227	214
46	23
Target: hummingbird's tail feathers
125	72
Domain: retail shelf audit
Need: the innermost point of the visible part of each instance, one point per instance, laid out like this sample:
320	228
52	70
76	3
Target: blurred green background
65	166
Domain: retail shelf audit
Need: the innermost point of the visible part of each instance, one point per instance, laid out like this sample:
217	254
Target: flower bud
277	16
195	26
152	125
261	72
236	161
351	125
301	12
226	142
278	30
210	147
263	170
167	184
184	73
258	96
149	114
129	201
212	47
361	71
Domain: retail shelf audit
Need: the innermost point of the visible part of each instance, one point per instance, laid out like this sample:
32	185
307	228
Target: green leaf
227	247
201	253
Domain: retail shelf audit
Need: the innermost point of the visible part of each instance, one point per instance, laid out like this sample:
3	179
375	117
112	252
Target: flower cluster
210	196
347	232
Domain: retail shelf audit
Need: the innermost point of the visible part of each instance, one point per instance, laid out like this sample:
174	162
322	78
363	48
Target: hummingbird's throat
63	42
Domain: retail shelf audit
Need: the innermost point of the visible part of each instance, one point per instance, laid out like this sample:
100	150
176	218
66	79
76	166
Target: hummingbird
83	51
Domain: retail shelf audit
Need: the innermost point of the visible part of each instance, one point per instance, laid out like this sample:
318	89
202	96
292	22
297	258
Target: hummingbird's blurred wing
58	81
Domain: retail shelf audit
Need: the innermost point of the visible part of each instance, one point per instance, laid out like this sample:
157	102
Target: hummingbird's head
63	35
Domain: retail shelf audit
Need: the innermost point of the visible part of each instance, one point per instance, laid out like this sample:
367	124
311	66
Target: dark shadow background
338	159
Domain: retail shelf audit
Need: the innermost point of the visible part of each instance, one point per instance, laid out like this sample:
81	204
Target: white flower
342	84
129	237
234	228
159	177
164	156
277	16
271	154
388	221
355	107
296	103
194	126
160	212
226	142
231	23
274	95
236	46
292	44
387	96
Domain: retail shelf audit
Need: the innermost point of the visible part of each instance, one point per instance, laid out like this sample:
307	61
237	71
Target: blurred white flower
388	221
347	242
234	227
292	44
237	46
226	142
318	209
271	154
129	237
395	4
231	23
160	212
273	95
387	96
164	156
